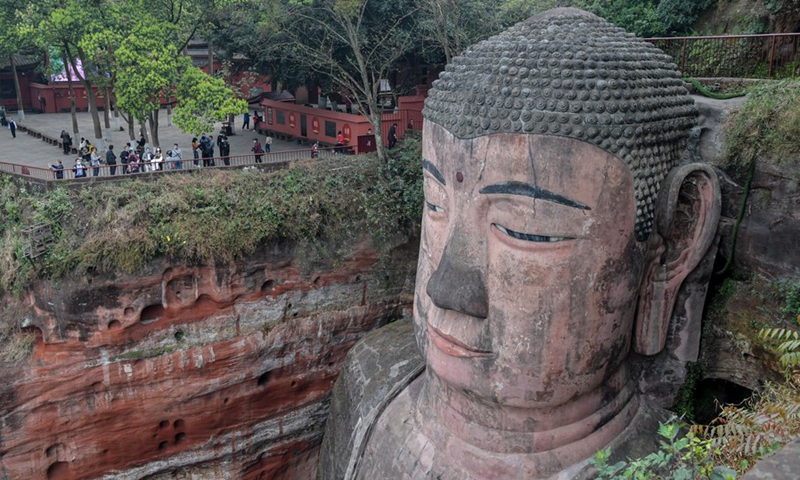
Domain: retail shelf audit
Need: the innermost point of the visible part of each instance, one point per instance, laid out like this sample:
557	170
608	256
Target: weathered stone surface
767	238
783	465
376	369
223	371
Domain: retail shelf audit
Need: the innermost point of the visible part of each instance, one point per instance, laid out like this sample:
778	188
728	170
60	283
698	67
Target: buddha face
529	270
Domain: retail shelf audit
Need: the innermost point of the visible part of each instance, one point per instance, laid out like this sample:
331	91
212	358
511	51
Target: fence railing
72	172
772	56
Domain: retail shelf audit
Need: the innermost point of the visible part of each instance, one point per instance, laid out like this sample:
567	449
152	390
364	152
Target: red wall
292	116
358	124
24	82
56	94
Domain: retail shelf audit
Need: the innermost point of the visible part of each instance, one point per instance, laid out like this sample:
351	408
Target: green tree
13	41
203	101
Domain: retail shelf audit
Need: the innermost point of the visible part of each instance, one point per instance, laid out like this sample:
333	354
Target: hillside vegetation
211	216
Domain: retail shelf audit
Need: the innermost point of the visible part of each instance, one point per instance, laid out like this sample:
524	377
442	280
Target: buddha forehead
566	72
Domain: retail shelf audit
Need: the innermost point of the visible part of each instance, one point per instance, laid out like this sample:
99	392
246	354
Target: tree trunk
143	131
72	109
232	123
153	120
106	107
98	131
129	118
210	59
106	115
20	107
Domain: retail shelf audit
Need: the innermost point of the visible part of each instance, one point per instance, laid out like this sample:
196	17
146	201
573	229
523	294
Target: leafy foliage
770	115
204	101
680	457
743	434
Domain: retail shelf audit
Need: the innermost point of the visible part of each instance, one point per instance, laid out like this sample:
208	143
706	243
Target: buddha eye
529	237
434	208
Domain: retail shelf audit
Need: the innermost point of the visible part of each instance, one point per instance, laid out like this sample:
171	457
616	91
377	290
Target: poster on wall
315	125
269	115
346	132
291	119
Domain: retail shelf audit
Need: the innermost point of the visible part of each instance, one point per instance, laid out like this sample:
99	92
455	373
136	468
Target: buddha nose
456	285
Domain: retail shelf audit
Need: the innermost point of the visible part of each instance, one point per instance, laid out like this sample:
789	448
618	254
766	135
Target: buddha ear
687	215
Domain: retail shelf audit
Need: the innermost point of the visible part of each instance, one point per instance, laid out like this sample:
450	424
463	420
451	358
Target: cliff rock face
767	239
190	372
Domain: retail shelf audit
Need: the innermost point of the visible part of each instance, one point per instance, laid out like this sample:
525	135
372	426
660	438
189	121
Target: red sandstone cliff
183	372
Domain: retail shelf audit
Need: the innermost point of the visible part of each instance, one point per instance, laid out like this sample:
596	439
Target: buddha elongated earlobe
687	217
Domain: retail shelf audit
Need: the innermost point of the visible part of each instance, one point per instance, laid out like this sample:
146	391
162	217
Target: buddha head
557	224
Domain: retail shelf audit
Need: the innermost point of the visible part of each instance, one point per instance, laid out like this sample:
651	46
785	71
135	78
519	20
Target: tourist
58	170
157	161
339	142
79	168
145	159
196	151
177	157
246	124
111	160
268	144
66	142
135	162
225	150
94	161
393	135
315	150
12	125
257	150
124	157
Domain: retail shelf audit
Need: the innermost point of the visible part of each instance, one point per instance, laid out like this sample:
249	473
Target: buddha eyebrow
427	165
527	190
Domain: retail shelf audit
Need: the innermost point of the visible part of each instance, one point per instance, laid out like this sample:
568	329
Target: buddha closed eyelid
530	237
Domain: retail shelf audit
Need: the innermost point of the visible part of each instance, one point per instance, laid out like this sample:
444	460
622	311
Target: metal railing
772	56
71	172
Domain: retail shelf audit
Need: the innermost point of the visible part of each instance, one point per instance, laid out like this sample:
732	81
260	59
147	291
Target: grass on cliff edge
211	216
767	126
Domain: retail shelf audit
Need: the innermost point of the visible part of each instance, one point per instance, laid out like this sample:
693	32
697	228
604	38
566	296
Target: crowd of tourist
138	157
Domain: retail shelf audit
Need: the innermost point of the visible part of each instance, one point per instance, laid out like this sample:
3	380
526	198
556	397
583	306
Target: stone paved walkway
31	151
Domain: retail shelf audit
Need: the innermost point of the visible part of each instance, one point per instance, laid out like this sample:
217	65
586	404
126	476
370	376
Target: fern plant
771	419
789	346
743	434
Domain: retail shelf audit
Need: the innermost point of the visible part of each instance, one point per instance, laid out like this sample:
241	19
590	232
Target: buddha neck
510	430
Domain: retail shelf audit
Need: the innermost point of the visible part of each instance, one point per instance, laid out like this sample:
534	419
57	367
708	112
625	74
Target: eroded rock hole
180	335
128	311
179	423
358	278
293	383
163	424
180	437
317	281
58	471
264	378
114	324
52	450
151	313
225	402
712	393
163	445
268	286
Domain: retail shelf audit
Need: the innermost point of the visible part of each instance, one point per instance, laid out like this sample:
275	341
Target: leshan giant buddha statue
557	230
